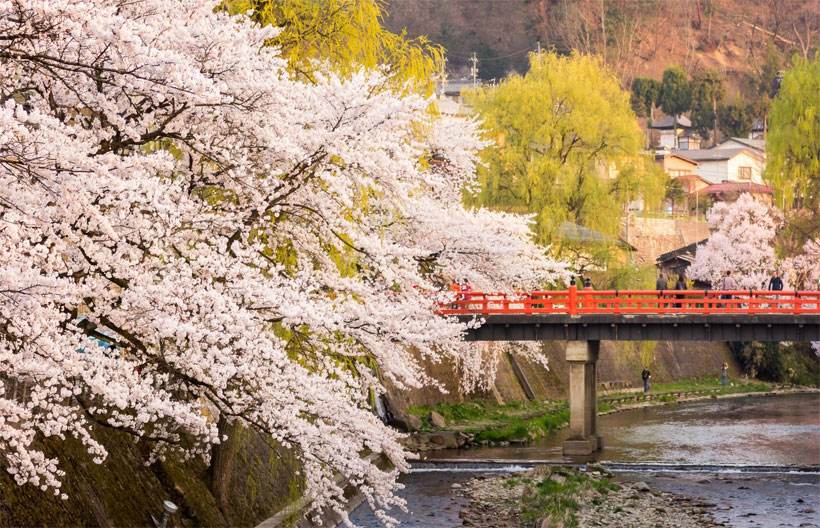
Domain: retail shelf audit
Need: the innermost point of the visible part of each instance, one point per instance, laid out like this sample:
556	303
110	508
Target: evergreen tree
645	96
676	93
735	118
707	94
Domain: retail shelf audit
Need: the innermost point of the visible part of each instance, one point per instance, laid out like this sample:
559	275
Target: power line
459	56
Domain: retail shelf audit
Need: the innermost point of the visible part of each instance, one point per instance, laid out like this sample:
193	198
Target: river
756	458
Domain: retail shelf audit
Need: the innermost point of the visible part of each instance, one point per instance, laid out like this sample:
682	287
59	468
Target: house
718	165
758	129
758	145
677	261
675	165
449	100
666	127
692	183
729	191
689	140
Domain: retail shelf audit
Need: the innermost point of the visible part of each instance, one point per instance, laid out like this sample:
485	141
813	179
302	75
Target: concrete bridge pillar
583	397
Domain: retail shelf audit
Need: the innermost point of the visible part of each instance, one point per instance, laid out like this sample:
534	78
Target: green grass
704	384
481	411
530	428
556	500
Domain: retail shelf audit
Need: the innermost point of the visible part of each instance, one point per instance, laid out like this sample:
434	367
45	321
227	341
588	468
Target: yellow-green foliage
793	143
566	145
347	35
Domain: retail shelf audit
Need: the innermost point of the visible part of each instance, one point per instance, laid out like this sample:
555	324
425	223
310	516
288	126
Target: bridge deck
644	327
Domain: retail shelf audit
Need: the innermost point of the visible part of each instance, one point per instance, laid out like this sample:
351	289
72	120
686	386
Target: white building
666	128
728	164
758	145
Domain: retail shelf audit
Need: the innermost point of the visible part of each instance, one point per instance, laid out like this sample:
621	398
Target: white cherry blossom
241	240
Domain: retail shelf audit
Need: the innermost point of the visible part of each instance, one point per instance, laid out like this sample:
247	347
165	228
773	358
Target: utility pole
442	76
538	47
474	69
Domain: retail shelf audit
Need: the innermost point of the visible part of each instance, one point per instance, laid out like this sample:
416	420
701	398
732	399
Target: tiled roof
714	154
757	144
669	122
660	154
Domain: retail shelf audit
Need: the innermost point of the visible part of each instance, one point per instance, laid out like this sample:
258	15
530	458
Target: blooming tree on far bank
240	239
803	270
742	242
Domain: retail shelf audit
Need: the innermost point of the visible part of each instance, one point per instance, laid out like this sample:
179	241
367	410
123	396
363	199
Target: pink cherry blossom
741	242
240	239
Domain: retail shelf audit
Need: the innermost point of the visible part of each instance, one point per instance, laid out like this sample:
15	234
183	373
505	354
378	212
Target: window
744	173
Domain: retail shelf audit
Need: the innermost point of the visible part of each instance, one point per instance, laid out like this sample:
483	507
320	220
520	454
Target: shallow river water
717	448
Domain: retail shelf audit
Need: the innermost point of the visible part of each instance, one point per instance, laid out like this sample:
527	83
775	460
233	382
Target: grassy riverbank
522	422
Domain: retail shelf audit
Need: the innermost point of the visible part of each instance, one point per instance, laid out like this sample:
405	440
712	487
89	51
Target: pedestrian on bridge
645	375
661	283
724	372
776	283
680	285
727	284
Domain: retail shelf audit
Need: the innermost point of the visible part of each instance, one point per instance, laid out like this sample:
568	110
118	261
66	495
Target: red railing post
573	300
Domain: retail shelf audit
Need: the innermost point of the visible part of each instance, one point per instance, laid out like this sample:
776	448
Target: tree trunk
714	114
222	456
675	136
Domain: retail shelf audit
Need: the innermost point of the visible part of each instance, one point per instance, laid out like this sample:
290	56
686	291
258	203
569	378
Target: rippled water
763	430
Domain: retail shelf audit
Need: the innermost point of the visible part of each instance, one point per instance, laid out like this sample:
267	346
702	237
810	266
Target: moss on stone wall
124	491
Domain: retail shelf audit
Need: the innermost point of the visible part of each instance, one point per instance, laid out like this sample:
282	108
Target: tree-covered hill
639	38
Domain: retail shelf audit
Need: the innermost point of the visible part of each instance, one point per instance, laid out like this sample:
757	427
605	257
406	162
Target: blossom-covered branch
227	235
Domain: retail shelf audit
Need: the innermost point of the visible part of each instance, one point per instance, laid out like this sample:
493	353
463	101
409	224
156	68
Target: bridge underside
644	327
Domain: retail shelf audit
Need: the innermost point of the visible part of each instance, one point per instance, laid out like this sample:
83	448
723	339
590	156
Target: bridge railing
579	302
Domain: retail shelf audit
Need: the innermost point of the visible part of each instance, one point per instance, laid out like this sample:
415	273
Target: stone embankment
553	497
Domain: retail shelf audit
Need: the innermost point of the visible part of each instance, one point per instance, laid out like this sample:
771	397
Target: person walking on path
724	371
680	285
645	375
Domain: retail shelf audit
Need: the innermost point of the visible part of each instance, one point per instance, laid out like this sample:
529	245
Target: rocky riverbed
552	497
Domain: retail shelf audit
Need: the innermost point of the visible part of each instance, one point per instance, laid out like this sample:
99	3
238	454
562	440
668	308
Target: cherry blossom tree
742	242
803	270
183	225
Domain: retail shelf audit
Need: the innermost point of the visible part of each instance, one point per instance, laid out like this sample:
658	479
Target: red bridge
573	314
584	318
575	302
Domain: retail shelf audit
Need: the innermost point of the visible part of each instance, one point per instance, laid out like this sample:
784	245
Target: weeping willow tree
793	145
566	147
345	35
